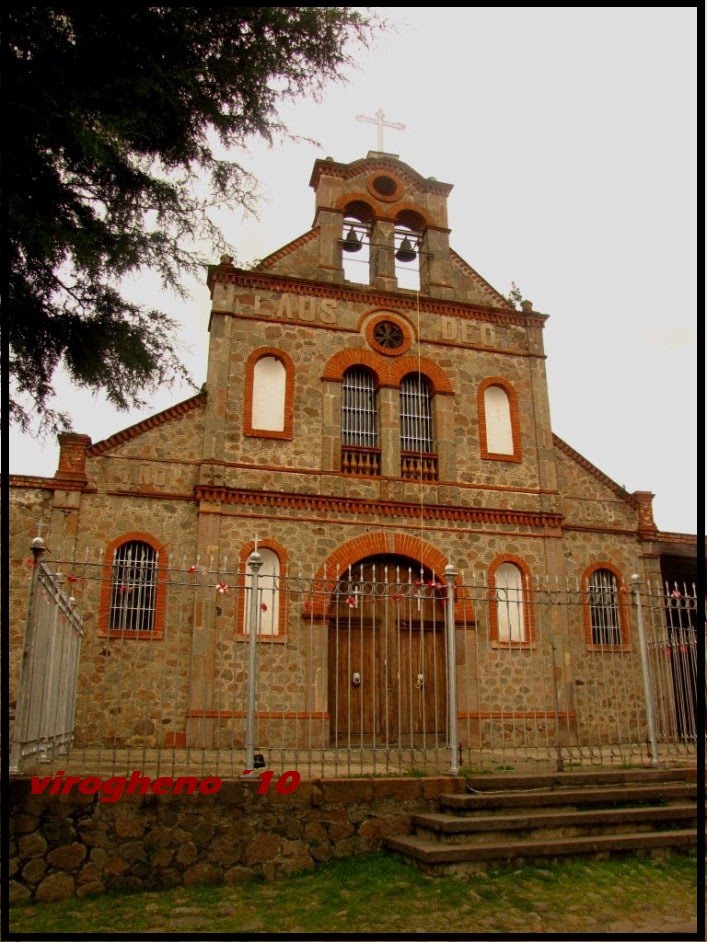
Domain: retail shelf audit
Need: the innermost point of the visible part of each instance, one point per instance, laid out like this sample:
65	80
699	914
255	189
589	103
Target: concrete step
456	829
510	781
572	795
435	857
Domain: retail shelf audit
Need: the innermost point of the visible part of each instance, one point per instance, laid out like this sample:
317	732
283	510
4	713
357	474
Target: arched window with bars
418	459
133	597
360	453
605	615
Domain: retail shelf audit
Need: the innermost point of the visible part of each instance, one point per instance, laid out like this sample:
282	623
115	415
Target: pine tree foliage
117	115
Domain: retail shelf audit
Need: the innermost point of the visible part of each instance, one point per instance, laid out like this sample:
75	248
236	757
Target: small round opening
386	186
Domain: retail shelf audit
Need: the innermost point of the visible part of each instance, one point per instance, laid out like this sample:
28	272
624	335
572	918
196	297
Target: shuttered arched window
509	604
268	602
499	430
269	393
499	420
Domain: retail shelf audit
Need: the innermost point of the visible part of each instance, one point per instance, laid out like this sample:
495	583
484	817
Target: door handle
356	679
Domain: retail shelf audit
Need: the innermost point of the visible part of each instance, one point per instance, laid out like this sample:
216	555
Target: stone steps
504	818
453	829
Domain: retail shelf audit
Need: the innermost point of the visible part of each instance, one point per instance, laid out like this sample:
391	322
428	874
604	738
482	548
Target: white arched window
509	603
499	428
268	601
269	394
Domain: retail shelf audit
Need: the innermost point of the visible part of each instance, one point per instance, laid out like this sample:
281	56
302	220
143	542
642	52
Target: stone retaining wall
74	845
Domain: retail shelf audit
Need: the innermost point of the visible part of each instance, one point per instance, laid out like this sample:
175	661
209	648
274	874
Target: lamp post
652	743
254	563
450	574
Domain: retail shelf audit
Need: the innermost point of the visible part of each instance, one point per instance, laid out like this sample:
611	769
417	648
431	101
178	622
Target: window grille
133	591
416	415
359	420
604	608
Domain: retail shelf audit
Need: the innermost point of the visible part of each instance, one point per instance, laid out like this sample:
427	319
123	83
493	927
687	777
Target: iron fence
375	670
46	705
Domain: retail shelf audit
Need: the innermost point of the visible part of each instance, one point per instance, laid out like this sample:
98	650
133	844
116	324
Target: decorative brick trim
279	550
662	536
345	505
476	277
386	198
594	471
528	603
289	365
503	384
622	604
127	434
344	201
344	359
283	252
260	714
422	214
400	322
413	364
331	168
375	544
271	281
157	632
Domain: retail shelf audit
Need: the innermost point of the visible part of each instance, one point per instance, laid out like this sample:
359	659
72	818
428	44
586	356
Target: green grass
379	894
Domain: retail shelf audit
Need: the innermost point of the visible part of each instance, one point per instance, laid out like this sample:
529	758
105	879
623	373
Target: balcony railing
362	461
415	466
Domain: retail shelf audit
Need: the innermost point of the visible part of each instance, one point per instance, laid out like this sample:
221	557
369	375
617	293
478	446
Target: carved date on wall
591	512
143	474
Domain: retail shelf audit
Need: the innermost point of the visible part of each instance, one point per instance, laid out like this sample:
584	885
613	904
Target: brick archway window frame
382	543
158	626
279	550
528	603
509	390
622	597
287	361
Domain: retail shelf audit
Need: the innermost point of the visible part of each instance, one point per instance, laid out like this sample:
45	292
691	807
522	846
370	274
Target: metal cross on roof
380	122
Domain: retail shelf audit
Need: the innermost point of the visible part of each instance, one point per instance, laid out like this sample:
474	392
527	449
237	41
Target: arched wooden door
387	668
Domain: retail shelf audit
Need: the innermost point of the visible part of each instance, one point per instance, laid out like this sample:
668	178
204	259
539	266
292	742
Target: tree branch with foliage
117	114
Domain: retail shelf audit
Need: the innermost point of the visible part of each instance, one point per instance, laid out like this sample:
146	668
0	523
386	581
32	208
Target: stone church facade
343	422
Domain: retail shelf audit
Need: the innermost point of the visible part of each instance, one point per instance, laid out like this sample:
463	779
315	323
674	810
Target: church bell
352	242
405	253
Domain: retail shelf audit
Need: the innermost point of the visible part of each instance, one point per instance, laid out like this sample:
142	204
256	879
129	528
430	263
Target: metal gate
46	703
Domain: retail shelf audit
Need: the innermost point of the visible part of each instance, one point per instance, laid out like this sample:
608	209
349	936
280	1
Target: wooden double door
387	665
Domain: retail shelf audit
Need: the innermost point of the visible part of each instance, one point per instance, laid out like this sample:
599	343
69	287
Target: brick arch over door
383	543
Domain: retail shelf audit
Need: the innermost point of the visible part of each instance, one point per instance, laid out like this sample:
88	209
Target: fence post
254	564
450	574
38	550
643	648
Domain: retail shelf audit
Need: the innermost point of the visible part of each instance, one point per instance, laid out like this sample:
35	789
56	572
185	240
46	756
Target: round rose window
388	335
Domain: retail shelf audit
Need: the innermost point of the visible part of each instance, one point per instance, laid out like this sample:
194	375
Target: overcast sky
570	138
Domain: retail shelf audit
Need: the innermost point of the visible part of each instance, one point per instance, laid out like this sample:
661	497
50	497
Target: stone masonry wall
73	845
